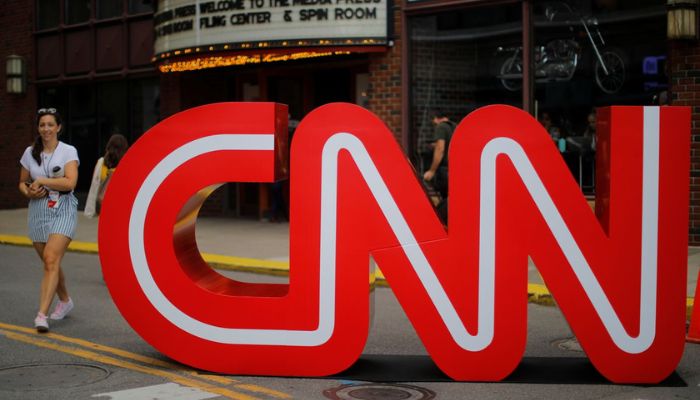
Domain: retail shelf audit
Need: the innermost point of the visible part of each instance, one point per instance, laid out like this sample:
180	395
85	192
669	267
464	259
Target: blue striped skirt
44	221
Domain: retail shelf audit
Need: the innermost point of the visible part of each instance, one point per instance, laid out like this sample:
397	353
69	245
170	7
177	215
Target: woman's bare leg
53	280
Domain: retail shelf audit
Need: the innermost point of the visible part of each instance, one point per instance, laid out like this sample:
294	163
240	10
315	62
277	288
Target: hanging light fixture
15	74
682	19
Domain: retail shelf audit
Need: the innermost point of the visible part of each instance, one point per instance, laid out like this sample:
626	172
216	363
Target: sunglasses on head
46	111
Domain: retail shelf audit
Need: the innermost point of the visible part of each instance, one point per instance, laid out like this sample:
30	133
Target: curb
536	293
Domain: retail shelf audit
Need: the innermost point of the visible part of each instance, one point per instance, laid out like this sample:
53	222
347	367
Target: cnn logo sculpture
619	278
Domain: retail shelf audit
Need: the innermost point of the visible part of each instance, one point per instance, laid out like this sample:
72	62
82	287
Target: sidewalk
240	244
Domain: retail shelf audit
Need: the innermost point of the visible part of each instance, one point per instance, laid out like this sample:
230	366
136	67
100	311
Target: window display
586	54
591	54
454	59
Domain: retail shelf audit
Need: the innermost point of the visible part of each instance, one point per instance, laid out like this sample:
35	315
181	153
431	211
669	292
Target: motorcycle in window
558	59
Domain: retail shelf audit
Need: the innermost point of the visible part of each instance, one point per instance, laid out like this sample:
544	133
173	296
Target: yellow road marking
83	247
228	262
122	353
263	390
15	240
148	360
126	364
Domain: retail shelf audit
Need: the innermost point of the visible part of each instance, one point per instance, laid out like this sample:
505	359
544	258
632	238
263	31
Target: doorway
302	88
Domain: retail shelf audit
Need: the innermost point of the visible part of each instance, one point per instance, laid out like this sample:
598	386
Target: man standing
437	173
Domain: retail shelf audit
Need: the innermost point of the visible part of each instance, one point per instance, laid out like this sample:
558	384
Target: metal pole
528	56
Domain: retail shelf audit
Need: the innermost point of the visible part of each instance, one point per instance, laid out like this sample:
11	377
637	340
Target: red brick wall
16	111
685	91
384	93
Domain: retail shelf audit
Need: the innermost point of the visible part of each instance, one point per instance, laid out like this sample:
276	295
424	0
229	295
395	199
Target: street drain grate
570	344
49	376
377	391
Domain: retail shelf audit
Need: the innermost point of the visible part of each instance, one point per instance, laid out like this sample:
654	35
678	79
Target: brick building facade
384	95
16	110
685	91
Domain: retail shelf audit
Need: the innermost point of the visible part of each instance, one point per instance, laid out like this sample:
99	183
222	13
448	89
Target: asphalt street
94	354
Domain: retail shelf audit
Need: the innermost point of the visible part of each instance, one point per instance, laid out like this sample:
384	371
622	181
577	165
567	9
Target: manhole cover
49	376
376	391
569	344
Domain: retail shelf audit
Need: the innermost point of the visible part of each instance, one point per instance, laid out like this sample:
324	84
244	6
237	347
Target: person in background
279	210
437	172
554	130
590	132
546	121
114	151
48	175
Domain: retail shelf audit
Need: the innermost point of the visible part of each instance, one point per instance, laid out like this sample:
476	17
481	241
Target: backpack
103	189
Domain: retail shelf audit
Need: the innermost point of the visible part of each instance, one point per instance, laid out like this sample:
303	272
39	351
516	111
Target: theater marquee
188	27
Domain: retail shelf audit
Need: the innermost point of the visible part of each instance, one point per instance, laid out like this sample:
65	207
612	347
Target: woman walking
105	166
47	178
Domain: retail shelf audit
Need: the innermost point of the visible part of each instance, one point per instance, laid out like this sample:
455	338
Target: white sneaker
41	324
62	309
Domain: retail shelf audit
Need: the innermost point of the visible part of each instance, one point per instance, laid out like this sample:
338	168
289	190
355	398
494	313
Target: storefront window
112	109
144	103
456	58
108	9
587	54
287	90
82	129
140	6
591	54
77	11
361	89
47	14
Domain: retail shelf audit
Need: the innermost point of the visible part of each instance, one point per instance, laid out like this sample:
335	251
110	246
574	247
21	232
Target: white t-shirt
63	154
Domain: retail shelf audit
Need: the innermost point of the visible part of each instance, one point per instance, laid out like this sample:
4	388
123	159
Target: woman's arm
91	202
65	183
26	188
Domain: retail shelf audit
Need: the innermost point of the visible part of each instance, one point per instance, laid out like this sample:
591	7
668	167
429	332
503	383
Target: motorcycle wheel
615	78
511	67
